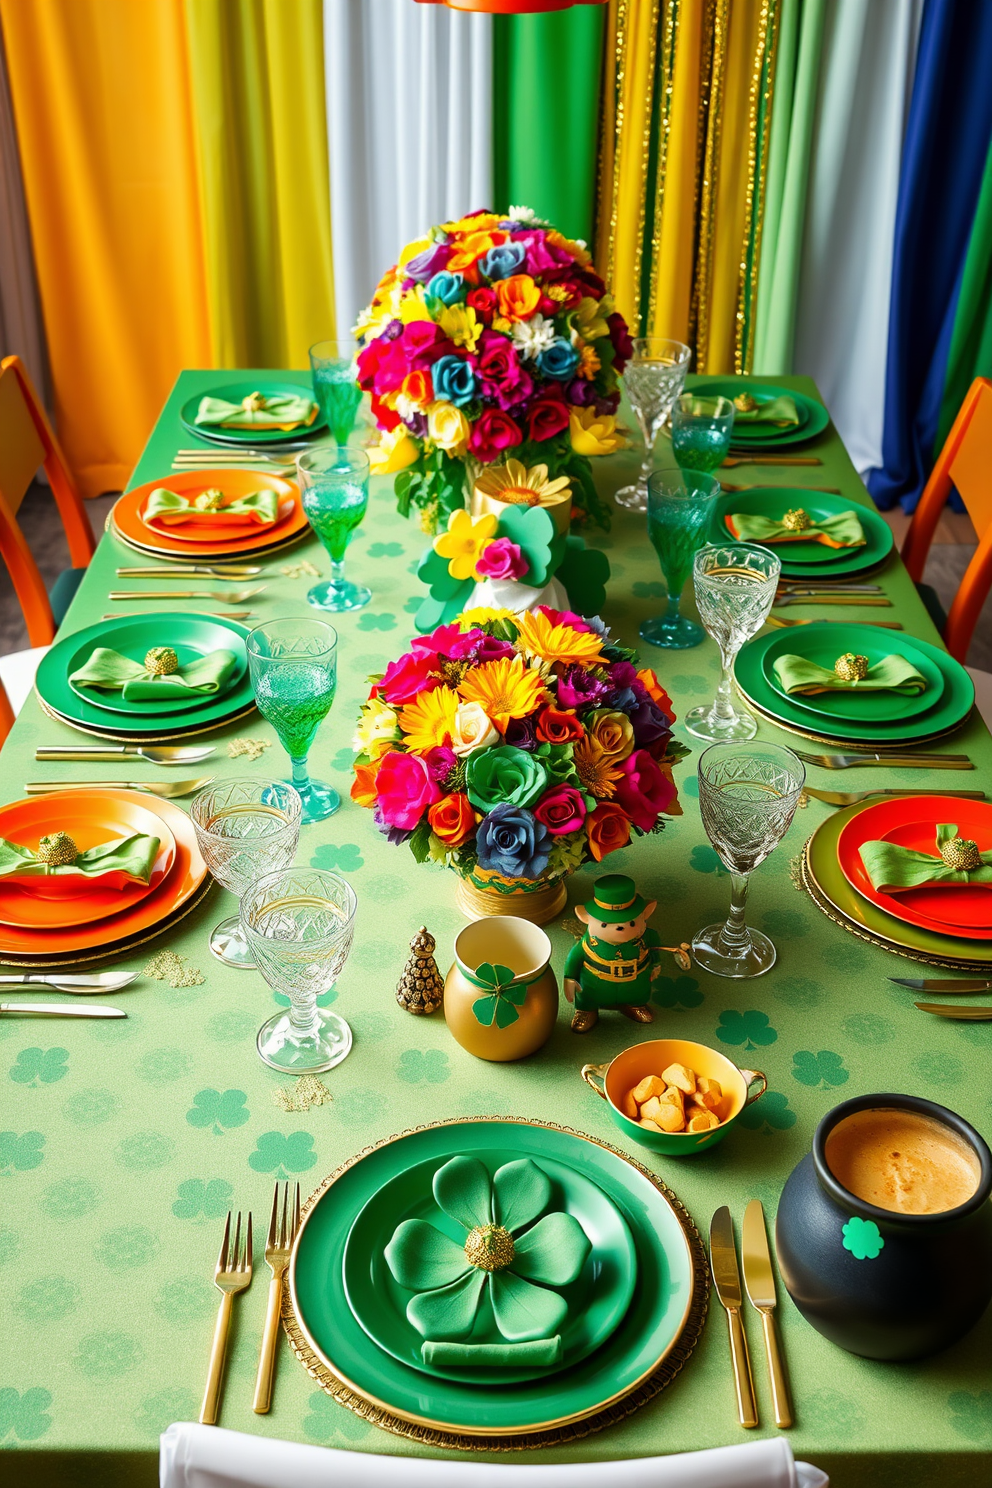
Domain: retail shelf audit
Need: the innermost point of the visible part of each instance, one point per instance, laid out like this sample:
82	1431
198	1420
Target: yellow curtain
258	91
677	178
102	104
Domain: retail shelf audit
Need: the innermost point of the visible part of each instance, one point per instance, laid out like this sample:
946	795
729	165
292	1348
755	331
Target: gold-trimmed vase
481	892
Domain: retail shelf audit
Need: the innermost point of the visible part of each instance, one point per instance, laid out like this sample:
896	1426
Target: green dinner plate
233	392
955	704
169	628
134	639
809	560
824	643
657	1315
817	417
598	1298
829	876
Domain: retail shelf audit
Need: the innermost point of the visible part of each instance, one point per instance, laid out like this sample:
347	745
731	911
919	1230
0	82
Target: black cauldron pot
885	1285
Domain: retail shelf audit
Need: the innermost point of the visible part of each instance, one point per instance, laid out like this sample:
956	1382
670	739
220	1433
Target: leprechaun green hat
615	898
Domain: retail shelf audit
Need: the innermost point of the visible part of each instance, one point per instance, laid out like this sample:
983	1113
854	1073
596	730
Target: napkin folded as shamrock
780	411
891	674
894	869
540	1352
840	531
257	412
113	672
168	509
111	865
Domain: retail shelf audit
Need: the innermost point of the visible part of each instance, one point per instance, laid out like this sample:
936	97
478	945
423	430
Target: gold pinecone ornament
421	987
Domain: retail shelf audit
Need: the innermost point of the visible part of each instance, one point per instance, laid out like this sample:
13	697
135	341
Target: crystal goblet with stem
653	379
299	925
748	795
701	429
245	829
680	511
334	486
293	664
735	588
335	385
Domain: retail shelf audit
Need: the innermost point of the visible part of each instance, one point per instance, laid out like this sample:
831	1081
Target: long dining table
120	1156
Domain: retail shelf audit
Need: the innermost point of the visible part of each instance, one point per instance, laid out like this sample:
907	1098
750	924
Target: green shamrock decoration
447	597
40	1066
281	1155
347	858
584	572
211	1199
771	1113
376	622
680	991
20	1152
24	1417
706	860
500	1004
825	1068
863	1238
534	532
423	1067
218	1109
971	1415
750	1029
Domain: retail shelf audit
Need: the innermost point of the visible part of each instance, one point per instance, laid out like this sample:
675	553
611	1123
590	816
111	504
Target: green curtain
546	82
796	76
970	353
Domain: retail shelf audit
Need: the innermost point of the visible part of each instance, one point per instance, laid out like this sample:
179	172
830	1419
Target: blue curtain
948	131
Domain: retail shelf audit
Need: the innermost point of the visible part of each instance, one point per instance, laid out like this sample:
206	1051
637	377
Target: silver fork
852	798
282	1232
920	761
233	1274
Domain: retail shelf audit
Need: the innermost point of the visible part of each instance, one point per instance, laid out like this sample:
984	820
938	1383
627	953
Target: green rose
504	775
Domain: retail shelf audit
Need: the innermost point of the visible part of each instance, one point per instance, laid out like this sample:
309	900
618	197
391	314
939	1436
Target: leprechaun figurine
615	963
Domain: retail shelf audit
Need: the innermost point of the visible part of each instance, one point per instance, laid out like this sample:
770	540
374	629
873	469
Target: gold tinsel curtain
683	148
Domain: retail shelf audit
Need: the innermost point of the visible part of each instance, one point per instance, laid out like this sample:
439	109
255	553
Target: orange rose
656	692
608	829
473	246
452	819
419	388
558	726
363	786
518	297
613	732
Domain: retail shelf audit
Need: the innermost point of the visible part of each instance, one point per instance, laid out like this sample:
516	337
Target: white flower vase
506	594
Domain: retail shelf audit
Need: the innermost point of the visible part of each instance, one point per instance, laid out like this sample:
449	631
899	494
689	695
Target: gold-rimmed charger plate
118	949
261	550
850	746
166	737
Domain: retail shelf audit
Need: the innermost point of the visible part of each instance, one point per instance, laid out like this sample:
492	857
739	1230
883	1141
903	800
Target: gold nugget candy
57	850
797	520
161	661
851	667
961	854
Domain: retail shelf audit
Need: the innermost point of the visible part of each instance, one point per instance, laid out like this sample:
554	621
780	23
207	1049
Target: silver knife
925	984
727	1280
64	1009
760	1282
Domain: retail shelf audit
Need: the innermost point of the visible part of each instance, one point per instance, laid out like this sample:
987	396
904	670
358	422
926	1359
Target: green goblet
701	429
293	667
679	515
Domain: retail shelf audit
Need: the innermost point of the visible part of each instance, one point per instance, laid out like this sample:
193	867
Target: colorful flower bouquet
513	748
491	337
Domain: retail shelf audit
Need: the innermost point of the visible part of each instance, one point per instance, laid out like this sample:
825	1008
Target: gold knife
727	1280
950	985
960	1014
760	1282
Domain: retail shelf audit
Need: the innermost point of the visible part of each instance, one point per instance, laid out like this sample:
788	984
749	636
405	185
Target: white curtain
866	76
409	127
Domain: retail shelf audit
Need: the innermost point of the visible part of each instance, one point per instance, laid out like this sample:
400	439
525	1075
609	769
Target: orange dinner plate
127	511
234	527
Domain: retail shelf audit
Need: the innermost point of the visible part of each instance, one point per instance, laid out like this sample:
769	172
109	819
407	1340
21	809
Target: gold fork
282	1233
233	1274
779	622
853	798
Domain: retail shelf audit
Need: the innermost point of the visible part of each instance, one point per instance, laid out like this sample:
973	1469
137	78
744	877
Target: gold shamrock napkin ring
161	661
209	501
57	850
961	855
254	403
797	520
744	403
851	667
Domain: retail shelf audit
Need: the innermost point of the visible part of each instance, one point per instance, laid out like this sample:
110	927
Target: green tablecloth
124	1143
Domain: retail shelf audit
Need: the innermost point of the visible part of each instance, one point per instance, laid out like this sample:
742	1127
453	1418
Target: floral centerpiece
491	337
513	748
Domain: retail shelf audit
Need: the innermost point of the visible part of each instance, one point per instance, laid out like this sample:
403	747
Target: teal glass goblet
680	512
701	430
334	486
335	385
293	665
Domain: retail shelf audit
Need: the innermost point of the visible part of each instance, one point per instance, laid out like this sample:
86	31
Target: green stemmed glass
334	485
294	671
679	516
701	430
335	385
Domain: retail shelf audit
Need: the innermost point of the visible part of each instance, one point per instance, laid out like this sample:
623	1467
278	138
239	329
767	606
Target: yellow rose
412	306
464	541
395	451
592	433
614	733
377	726
473	729
448	427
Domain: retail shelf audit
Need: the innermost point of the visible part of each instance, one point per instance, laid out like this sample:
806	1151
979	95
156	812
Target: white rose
378	723
472	729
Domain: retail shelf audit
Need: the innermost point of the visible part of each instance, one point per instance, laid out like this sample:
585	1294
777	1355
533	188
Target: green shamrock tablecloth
123	1144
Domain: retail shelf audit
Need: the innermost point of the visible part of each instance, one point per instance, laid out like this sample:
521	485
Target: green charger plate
663	1292
828	876
134	639
197	632
598	1298
823	644
955	704
817	417
234	392
809	560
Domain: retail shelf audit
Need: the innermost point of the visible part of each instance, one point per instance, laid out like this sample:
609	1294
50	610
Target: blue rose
449	288
454	380
511	842
559	360
504	260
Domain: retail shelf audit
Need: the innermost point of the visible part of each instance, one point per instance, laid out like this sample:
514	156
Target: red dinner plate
216	540
964	910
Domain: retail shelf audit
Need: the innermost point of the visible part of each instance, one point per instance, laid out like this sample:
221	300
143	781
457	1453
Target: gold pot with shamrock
501	996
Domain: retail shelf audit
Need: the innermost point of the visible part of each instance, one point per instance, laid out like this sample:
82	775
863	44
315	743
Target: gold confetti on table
308	1091
301	570
252	749
176	970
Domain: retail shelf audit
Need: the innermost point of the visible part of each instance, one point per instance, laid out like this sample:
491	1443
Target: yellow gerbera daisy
594	768
461	323
538	636
506	689
517	485
429	719
483	615
463	542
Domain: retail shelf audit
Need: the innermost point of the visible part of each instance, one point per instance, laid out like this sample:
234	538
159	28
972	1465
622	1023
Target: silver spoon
80	983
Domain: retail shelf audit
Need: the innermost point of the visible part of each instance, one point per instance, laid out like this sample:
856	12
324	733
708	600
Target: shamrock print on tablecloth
863	1238
20	1152
824	1068
106	1355
385	550
156	1412
163	1066
70	1198
24	1417
937	1068
343	760
219	1110
92	1107
423	1067
359	1107
326	1419
128	1247
800	993
145	1151
771	1112
971	1415
47	1299
10	1244
184	1301
412	605
376	622
346	859
232	1026
784	924
680	991
200	1199
836	1414
705	859
869	1028
40	1066
281	1155
750	1029
642	590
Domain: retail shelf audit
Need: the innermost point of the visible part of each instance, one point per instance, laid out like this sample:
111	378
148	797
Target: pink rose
408	677
450	641
492	433
501	559
423	343
547	415
561	809
643	791
405	789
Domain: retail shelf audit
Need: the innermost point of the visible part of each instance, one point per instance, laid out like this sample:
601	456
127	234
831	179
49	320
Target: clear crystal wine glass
735	589
293	664
680	511
653	378
748	795
245	829
299	925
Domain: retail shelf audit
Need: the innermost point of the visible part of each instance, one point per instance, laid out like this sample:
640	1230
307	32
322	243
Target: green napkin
113	672
257	412
891	674
541	1352
168	509
842	531
894	869
130	858
780	411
